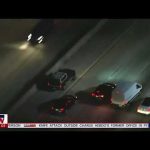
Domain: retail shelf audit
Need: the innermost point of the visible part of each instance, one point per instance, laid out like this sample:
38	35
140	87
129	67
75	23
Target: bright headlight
40	39
29	37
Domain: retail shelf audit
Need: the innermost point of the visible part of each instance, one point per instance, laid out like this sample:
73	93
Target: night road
20	66
117	51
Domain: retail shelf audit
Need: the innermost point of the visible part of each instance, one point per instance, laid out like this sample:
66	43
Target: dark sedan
103	91
59	106
57	80
40	32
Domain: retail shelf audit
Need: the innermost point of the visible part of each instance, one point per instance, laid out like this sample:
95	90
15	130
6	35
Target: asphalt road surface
20	66
118	51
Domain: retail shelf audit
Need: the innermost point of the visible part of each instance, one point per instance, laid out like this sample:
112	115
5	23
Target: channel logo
3	120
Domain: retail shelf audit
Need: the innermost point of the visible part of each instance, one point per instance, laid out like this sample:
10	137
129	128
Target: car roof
102	87
58	75
59	102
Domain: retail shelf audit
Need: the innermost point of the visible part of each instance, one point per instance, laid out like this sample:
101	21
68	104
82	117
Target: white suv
125	92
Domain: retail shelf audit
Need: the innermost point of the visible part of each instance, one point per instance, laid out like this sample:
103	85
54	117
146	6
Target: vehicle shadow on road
44	107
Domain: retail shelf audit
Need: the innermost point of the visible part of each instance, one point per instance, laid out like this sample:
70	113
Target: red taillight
111	100
101	96
93	94
60	85
62	109
148	109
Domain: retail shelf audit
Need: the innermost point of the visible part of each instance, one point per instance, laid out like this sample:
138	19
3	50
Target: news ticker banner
78	125
4	124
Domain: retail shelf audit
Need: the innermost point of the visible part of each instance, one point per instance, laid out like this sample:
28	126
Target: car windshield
146	102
